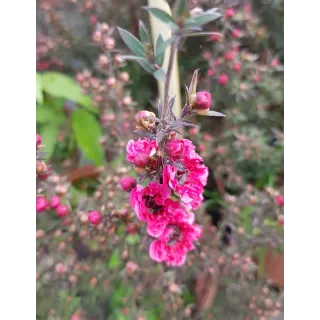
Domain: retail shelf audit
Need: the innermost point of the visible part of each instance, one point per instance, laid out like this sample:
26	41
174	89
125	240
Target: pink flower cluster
183	178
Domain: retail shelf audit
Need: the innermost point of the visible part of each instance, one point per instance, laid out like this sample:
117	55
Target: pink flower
223	79
127	183
62	210
229	56
176	240
274	63
237	67
95	217
280	200
39	140
210	72
54	202
236	33
175	148
141	146
229	13
188	181
41	203
153	206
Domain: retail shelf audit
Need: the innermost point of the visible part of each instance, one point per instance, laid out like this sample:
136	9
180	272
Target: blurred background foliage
245	149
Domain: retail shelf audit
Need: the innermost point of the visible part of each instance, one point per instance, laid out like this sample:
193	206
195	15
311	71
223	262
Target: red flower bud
201	102
237	67
236	33
281	219
210	72
223	79
275	63
229	13
62	210
141	160
41	203
175	148
229	56
95	217
280	200
128	183
39	140
54	202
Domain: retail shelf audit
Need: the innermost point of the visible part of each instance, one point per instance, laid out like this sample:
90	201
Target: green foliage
114	260
159	53
39	88
162	16
61	86
143	33
132	42
132	239
49	134
87	132
206	17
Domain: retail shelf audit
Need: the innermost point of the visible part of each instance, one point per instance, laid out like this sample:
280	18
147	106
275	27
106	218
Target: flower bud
229	13
54	202
229	56
175	148
128	183
141	160
280	200
237	67
196	11
145	120
223	79
103	60
95	217
124	77
109	43
41	203
201	102
62	210
236	33
39	140
280	219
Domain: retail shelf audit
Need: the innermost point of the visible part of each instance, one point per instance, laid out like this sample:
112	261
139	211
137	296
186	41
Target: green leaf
199	34
114	260
214	114
146	66
206	17
45	115
39	88
49	134
161	15
194	82
163	46
135	58
143	33
159	51
132	42
159	75
132	239
87	132
181	8
61	86
245	216
261	254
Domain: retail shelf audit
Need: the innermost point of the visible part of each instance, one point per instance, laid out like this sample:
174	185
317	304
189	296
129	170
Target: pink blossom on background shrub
176	240
41	203
127	183
95	217
140	146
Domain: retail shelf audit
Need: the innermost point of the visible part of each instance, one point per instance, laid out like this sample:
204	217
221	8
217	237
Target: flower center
174	235
151	204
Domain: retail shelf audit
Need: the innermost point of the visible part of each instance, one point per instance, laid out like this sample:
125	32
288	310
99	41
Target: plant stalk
173	51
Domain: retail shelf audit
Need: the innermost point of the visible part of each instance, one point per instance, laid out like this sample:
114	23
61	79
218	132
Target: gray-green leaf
161	15
214	114
181	8
114	260
159	51
135	45
206	17
143	33
87	132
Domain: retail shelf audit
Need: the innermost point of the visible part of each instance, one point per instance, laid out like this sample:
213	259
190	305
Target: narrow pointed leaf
143	33
204	18
194	82
199	34
161	15
134	58
146	66
132	42
181	8
214	114
159	53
